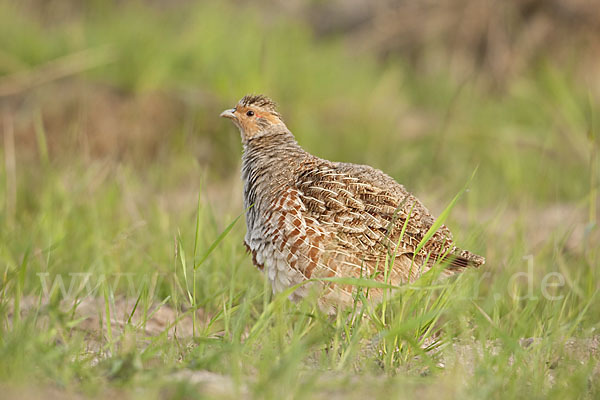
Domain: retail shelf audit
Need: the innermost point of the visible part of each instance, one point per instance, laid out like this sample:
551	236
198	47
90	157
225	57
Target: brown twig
10	166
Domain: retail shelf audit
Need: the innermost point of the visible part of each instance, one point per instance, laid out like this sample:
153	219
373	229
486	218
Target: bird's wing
368	211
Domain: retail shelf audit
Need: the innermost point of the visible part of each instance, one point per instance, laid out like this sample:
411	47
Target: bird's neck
268	168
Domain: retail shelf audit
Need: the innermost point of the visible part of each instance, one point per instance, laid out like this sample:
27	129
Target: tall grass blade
19	287
443	216
220	238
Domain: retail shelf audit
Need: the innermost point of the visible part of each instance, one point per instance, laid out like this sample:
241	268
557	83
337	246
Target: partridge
312	218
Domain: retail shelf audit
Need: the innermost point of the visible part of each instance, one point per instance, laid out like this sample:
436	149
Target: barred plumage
316	218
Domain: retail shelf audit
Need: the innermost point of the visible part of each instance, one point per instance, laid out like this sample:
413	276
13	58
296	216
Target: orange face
251	120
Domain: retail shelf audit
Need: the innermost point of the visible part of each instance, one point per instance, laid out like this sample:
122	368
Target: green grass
139	226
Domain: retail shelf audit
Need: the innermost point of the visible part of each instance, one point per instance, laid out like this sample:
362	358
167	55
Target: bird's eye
250	113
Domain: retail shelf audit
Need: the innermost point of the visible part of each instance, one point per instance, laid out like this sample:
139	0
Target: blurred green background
113	154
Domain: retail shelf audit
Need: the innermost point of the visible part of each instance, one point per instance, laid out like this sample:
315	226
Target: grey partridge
312	218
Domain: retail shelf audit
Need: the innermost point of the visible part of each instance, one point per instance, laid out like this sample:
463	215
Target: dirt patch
90	312
581	350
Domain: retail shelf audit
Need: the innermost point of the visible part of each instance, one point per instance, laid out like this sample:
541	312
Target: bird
308	218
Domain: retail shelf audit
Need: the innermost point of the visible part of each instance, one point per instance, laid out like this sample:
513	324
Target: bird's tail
459	260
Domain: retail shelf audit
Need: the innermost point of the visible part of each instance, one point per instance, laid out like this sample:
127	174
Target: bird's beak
228	114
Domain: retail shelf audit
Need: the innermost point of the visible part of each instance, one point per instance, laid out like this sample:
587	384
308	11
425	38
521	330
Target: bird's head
255	116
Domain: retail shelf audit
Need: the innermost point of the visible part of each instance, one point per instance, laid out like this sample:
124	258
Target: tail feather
462	259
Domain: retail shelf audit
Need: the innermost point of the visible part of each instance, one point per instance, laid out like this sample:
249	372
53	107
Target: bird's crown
261	101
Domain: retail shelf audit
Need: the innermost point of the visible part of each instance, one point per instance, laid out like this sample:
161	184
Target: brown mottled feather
316	218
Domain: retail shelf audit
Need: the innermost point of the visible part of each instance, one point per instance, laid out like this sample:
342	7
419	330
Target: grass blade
443	216
220	238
